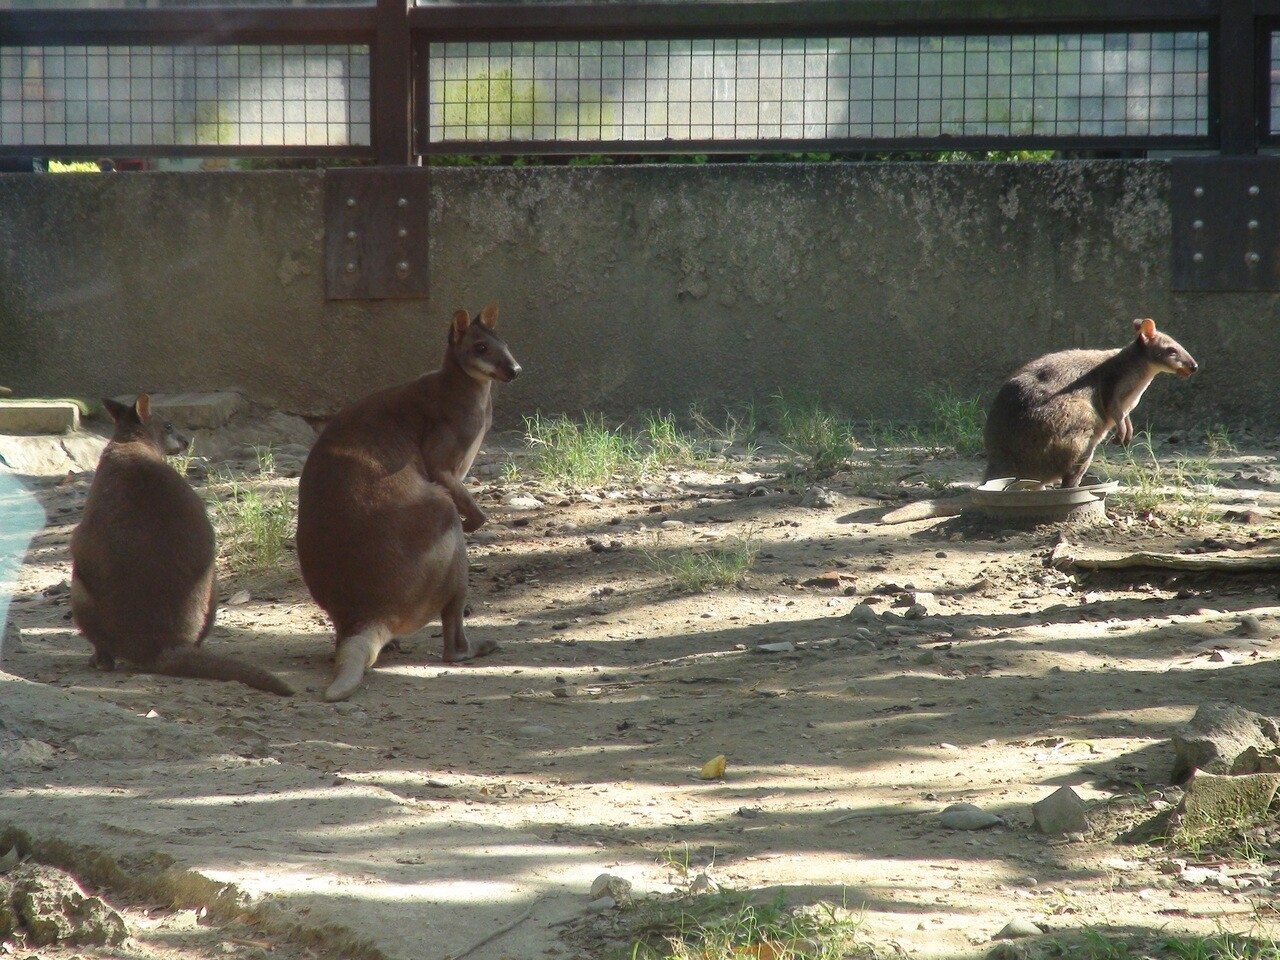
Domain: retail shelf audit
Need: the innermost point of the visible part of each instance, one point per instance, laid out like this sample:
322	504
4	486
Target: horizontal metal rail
1237	80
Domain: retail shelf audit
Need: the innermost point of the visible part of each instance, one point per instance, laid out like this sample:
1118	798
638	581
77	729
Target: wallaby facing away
1049	417
143	580
382	507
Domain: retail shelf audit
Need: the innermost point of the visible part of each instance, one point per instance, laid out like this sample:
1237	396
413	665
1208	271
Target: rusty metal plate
375	245
1226	223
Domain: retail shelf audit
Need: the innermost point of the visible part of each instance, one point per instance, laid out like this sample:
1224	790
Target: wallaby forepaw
102	661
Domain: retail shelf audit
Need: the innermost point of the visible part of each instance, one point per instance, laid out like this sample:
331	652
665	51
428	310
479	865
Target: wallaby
143	580
1049	417
382	507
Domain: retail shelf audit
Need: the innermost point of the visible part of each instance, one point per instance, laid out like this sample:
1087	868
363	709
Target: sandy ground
442	803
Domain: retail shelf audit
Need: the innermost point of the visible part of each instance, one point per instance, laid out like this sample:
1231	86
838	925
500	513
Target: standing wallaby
143	580
1049	417
382	507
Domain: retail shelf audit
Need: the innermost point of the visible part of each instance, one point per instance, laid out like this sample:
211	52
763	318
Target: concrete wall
625	288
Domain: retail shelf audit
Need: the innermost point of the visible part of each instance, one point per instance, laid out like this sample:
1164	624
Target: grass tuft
697	570
581	453
254	523
729	926
808	430
1180	489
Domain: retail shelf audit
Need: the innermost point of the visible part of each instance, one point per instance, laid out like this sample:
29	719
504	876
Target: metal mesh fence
1087	84
167	96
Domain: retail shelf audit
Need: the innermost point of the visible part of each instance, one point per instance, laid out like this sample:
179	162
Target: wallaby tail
202	665
925	510
356	654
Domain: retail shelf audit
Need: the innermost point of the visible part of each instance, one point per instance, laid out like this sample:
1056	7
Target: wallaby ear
114	407
143	407
489	315
461	320
1146	328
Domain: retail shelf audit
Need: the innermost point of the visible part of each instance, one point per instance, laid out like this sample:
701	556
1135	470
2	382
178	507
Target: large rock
1061	812
39	416
1211	802
52	908
1224	739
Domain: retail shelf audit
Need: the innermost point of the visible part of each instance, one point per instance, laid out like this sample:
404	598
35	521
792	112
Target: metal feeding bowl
1015	501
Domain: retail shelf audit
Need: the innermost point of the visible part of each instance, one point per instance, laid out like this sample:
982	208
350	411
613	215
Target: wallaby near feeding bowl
1049	417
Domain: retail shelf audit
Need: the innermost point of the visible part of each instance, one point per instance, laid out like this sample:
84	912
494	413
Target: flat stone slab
39	416
193	411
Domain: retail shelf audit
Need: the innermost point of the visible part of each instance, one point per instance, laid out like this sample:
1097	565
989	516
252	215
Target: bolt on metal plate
375	245
1226	223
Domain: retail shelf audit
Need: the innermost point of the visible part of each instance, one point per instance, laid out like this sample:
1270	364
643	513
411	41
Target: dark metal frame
397	35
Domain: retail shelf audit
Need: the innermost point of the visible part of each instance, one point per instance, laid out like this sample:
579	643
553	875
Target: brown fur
382	507
143	581
1049	417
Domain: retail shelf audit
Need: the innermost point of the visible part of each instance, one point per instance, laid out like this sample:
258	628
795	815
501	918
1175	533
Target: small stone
601	905
238	598
785	646
671	524
1017	928
614	887
915	727
535	730
862	613
916	611
1061	812
966	816
702	885
818	497
1251	626
522	501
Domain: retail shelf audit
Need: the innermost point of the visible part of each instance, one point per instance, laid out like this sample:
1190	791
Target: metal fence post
1240	98
392	72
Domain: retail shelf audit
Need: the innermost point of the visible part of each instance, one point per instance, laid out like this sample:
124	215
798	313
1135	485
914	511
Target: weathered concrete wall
625	288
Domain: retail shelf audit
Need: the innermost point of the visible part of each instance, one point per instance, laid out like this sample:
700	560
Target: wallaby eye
168	425
482	348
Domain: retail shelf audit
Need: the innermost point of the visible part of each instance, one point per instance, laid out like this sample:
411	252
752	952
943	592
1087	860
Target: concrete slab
51	455
39	416
194	411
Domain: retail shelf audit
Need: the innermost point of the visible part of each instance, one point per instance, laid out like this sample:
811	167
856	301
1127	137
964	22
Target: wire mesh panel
1152	84
1273	88
166	96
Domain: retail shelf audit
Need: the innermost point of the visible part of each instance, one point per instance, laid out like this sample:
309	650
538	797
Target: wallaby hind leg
456	645
355	655
85	612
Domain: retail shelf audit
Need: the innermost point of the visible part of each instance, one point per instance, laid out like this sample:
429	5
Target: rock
862	613
917	611
601	905
784	647
1061	812
703	884
1211	801
608	886
19	752
8	921
672	524
1017	928
1251	626
818	498
194	411
535	730
52	908
966	816
522	501
915	727
1217	737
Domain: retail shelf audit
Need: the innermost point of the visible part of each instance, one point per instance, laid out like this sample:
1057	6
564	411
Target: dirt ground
931	663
